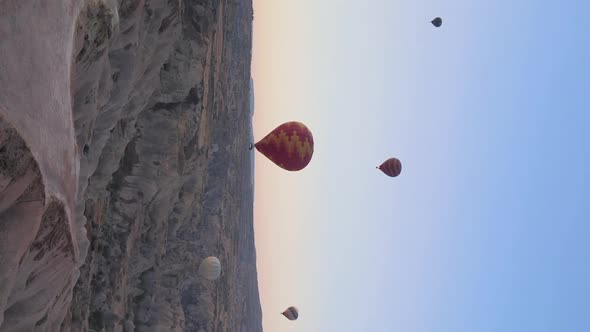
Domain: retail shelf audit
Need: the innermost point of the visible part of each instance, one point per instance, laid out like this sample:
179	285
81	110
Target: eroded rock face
141	167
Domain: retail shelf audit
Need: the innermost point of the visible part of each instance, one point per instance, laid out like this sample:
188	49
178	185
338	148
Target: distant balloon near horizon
391	167
210	268
437	22
291	313
289	146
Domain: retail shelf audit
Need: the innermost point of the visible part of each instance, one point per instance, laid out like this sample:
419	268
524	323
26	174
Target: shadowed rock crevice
54	234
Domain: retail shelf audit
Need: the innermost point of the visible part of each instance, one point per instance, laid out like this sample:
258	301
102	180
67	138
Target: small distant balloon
289	146
391	167
210	268
437	22
291	313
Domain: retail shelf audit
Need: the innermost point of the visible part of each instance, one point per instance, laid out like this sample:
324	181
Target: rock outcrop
124	161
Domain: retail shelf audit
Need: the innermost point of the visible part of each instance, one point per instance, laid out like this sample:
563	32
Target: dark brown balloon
291	313
391	167
437	22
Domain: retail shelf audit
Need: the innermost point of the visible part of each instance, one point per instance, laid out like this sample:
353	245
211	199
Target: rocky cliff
124	161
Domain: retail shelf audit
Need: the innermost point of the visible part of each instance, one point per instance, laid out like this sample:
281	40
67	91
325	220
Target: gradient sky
487	228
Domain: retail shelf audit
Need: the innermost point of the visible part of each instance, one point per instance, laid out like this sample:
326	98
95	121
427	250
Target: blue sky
487	227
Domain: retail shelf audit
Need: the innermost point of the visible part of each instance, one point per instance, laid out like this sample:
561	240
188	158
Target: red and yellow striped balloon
290	146
391	167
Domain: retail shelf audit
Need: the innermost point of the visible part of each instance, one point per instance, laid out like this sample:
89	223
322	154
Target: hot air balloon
291	313
210	268
391	167
437	22
289	146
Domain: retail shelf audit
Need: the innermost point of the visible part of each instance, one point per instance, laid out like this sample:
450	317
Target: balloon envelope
437	22
391	167
210	268
291	313
289	146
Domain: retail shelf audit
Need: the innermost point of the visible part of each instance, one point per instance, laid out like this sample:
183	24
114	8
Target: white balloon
210	268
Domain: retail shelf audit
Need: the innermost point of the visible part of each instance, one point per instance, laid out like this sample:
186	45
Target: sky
487	226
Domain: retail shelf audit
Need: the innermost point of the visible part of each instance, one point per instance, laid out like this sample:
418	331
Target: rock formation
124	161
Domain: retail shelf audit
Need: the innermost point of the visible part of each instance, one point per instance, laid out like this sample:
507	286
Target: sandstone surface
124	161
